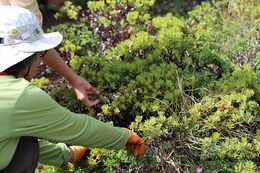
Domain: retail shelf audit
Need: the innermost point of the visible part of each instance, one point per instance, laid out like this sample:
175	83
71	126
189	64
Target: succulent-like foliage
188	85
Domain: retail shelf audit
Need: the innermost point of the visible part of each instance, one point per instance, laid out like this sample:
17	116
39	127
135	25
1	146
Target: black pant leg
25	158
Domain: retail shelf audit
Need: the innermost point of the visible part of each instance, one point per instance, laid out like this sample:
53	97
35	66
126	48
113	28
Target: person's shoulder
32	95
33	91
25	86
11	84
21	92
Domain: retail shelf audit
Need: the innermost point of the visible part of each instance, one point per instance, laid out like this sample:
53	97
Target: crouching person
29	117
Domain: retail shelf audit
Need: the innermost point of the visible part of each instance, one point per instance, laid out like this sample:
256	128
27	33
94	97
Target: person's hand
83	90
77	152
135	142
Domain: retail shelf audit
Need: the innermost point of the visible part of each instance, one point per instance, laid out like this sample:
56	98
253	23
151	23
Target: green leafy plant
41	83
188	85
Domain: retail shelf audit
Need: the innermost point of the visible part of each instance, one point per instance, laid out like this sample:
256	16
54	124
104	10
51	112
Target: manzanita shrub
188	85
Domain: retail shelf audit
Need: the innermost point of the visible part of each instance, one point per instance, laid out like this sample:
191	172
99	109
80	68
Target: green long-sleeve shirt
26	110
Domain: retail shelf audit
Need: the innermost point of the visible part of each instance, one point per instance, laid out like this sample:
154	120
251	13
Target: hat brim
17	53
10	57
46	42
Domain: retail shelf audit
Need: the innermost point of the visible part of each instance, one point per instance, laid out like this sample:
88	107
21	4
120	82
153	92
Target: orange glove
135	142
77	152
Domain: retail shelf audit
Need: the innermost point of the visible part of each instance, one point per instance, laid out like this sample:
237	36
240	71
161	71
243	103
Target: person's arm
54	154
36	114
81	87
5	2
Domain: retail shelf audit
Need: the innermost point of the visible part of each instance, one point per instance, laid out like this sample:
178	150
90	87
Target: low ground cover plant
189	85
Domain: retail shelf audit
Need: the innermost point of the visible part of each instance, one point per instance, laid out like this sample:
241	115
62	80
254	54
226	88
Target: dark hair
17	68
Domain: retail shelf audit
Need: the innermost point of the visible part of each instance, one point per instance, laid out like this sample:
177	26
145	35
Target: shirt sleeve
31	5
54	154
36	114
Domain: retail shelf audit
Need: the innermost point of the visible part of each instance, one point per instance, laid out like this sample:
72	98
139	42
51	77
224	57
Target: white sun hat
21	36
